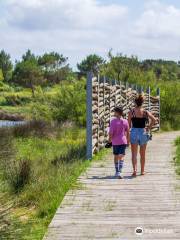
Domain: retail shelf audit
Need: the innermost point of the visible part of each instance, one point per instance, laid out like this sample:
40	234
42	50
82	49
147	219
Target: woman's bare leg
143	157
134	151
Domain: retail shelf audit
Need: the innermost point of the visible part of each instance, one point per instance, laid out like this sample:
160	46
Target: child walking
119	137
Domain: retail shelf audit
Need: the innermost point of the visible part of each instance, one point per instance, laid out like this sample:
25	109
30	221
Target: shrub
177	158
2	101
170	108
19	173
5	87
41	111
14	99
70	104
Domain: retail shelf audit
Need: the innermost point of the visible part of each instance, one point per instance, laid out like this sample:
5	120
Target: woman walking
138	119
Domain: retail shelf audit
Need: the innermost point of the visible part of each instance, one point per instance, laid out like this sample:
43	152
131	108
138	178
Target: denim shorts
119	149
139	136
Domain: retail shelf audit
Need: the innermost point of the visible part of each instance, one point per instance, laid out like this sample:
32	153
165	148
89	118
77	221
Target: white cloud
58	14
79	27
72	27
159	20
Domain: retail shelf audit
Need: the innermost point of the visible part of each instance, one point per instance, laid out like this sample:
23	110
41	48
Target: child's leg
122	151
121	162
116	157
116	163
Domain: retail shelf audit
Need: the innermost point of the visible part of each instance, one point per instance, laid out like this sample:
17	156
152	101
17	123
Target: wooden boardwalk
108	208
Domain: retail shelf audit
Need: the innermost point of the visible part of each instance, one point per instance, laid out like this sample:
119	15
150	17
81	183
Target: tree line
32	70
124	68
52	68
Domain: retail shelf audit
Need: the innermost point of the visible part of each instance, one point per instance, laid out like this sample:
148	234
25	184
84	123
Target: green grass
56	163
20	101
177	158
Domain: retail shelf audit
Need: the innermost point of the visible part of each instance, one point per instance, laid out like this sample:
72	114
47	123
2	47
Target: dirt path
107	208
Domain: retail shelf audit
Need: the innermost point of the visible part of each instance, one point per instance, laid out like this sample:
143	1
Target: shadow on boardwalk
110	177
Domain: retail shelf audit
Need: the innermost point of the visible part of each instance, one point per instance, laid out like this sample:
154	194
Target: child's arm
110	132
110	137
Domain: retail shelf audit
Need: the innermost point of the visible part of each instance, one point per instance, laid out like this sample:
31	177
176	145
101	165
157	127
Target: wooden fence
102	97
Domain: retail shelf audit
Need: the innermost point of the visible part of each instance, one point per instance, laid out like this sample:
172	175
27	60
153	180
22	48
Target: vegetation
36	172
91	63
41	160
55	88
39	163
177	158
6	65
154	73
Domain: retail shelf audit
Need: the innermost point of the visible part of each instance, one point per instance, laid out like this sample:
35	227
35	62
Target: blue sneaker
118	175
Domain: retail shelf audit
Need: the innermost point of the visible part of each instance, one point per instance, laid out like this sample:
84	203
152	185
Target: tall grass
177	158
41	169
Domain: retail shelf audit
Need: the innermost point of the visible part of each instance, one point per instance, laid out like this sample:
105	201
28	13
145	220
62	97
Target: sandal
134	174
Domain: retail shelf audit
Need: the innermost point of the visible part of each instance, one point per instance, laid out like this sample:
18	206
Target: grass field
53	163
20	101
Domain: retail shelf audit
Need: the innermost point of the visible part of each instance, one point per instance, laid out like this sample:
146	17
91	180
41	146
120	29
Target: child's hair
118	110
139	100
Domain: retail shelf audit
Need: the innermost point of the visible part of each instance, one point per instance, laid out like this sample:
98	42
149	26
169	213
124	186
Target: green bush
3	101
41	111
18	174
5	87
15	99
177	158
170	107
70	104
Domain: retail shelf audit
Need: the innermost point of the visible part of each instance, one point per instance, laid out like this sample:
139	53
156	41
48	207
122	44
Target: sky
76	28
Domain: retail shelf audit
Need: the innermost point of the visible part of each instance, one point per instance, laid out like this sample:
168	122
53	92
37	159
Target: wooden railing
102	96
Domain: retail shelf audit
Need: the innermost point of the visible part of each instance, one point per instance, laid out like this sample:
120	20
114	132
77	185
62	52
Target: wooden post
104	121
98	80
110	86
120	93
89	116
136	88
149	98
115	98
159	95
126	100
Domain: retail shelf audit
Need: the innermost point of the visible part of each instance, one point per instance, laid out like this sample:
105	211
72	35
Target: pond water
5	123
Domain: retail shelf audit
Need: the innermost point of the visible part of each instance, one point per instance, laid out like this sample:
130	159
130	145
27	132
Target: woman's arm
129	120
153	120
128	135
